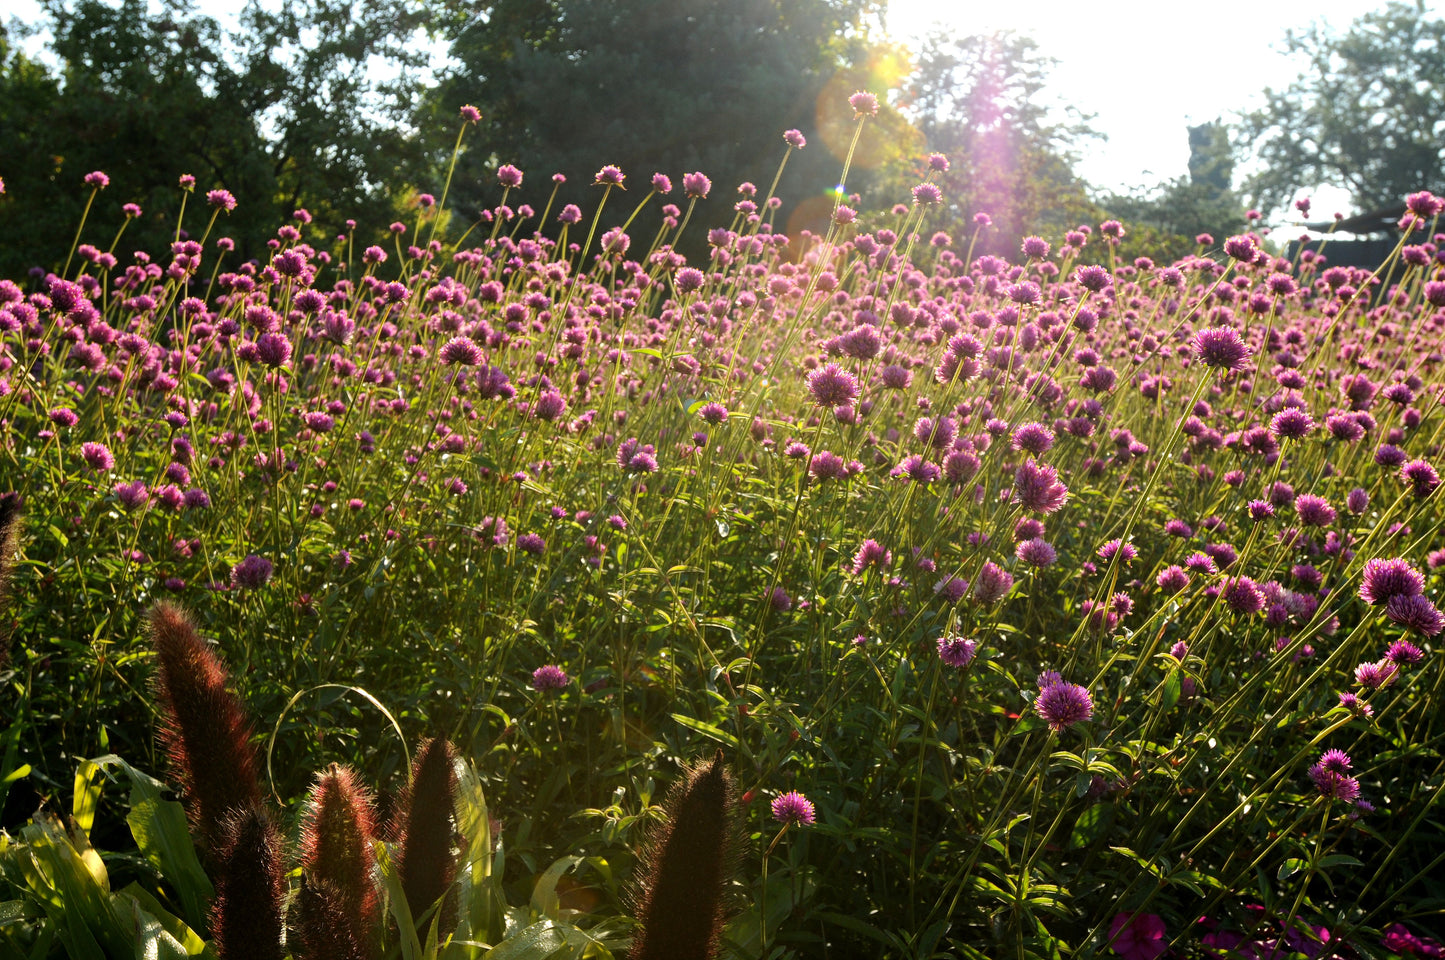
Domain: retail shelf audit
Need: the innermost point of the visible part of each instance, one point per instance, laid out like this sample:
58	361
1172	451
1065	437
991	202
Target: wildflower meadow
531	589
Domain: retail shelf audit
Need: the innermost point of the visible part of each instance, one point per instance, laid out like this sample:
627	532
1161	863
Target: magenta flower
956	652
609	176
1037	488
832	386
1061	705
864	104
1138	936
548	678
252	573
462	351
470	114
97	456
509	176
696	185
795	139
1384	579
221	200
793	808
1222	348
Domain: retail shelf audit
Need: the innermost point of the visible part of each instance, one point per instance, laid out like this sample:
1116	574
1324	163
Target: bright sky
1145	69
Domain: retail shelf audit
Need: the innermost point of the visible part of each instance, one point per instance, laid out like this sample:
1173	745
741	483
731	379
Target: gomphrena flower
1036	552
1037	488
97	456
1331	776
793	808
684	866
462	351
470	114
956	651
696	185
1060	704
1417	613
609	175
870	554
864	104
795	139
549	677
1421	476
203	727
509	176
334	916
252	573
246	915
10	503
1221	348
832	386
1384	579
424	828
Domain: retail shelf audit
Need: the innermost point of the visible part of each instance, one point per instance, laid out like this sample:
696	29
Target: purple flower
550	406
1330	775
1421	477
252	573
1403	653
927	193
463	351
1415	612
1357	501
795	139
1125	551
1034	438
97	456
832	386
610	176
992	584
1243	596
1138	936
1291	424
531	543
1384	579
1061	705
688	280
870	554
793	808
132	495
549	677
1241	248
696	185
1221	347
864	104
1092	277
1373	676
470	114
956	652
1037	488
509	176
1172	579
221	200
273	349
1036	552
97	179
1314	511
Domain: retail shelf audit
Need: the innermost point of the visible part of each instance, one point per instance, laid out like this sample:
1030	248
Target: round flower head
1403	653
864	104
1243	596
462	351
993	583
1291	424
252	573
696	185
793	808
1061	705
1417	613
1384	579
97	456
927	193
470	114
844	215
1241	248
1124	551
1036	552
1314	511
1037	488
221	200
1035	248
548	678
1222	348
1421	476
956	651
1375	675
832	386
1092	277
870	554
609	176
795	139
97	180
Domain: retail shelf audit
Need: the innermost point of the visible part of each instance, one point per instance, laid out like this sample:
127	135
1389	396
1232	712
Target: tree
1368	115
294	117
1165	221
668	86
978	101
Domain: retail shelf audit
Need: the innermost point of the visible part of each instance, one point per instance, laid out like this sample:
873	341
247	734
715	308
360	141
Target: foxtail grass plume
425	827
335	914
9	546
204	728
684	866
246	916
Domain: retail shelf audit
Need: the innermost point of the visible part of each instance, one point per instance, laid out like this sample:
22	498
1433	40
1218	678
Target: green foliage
566	86
978	101
264	113
1367	114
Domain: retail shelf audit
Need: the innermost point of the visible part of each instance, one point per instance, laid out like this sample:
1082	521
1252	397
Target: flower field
1040	607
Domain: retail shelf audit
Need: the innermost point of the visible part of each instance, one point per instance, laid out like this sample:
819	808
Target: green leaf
1291	867
1170	694
544	940
1339	860
708	730
1092	823
544	894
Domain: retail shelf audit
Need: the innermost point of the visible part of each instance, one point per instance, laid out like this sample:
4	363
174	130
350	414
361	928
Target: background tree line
327	105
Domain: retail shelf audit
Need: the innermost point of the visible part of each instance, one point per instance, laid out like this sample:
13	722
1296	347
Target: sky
1144	69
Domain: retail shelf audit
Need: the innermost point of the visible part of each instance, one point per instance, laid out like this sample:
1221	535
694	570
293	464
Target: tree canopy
1368	114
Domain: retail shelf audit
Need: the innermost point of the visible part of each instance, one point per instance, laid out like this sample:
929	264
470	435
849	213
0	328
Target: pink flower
1138	936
